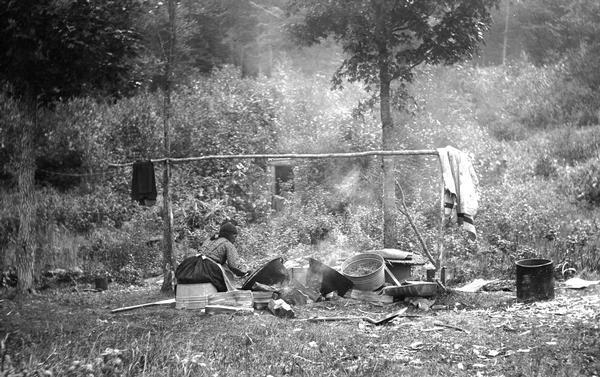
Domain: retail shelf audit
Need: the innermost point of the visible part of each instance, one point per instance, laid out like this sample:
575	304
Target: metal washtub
370	280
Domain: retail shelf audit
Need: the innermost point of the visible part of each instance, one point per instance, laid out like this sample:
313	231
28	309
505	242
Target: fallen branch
307	360
450	327
413	226
384	320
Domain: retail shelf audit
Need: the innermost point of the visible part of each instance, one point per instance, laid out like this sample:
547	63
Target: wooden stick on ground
450	327
162	302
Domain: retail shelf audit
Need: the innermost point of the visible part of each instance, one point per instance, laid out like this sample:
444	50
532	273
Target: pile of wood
230	302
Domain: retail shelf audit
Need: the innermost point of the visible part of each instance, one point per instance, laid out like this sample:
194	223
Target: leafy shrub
545	166
585	182
129	253
575	145
504	130
82	213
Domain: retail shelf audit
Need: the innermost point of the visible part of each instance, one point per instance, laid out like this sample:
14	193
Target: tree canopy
397	34
56	49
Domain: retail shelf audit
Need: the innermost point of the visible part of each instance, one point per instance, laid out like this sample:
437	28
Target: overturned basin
325	279
273	272
535	279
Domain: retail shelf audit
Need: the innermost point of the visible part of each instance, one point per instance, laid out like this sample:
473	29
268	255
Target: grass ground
479	334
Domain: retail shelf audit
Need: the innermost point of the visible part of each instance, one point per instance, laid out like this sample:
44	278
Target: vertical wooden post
440	242
168	256
505	41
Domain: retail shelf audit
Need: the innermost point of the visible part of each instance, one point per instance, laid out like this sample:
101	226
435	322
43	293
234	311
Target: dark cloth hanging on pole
143	182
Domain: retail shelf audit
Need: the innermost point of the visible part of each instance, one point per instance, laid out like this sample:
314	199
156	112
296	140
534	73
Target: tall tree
384	41
52	50
168	255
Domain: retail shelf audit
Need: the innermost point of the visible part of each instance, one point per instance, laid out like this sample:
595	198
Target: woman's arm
234	261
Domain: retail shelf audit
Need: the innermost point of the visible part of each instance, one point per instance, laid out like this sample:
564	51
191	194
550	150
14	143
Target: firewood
223	309
281	309
292	296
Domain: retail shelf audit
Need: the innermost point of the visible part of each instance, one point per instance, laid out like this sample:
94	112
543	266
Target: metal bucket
373	275
535	279
101	283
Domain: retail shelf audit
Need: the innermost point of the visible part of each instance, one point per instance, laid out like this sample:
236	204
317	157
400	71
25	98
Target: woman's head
229	231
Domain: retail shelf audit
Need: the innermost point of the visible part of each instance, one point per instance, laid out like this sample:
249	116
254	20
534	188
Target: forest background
526	109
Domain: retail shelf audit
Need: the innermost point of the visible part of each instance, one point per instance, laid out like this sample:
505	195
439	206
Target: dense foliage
61	49
335	208
531	131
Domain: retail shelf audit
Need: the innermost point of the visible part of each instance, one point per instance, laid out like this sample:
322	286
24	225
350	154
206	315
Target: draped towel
460	183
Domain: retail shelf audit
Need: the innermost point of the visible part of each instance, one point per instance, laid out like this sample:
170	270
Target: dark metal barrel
535	279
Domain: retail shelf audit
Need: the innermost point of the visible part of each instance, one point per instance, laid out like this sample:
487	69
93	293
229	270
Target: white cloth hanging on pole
460	182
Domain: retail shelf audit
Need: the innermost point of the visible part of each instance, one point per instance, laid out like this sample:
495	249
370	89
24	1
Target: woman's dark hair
229	231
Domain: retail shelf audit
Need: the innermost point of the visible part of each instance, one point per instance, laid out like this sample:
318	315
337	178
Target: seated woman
220	249
216	262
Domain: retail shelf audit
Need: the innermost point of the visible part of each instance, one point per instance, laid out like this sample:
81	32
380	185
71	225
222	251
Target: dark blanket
143	182
198	270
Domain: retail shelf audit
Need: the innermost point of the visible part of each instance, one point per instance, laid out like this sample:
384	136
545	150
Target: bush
82	213
127	254
584	181
545	167
575	145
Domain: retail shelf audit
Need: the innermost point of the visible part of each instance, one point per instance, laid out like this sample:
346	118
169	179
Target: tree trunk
505	39
25	251
168	256
388	163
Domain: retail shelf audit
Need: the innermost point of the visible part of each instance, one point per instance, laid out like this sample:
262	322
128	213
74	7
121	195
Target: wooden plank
372	297
231	298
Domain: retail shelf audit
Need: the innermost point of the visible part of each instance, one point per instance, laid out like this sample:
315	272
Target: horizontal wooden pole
419	152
